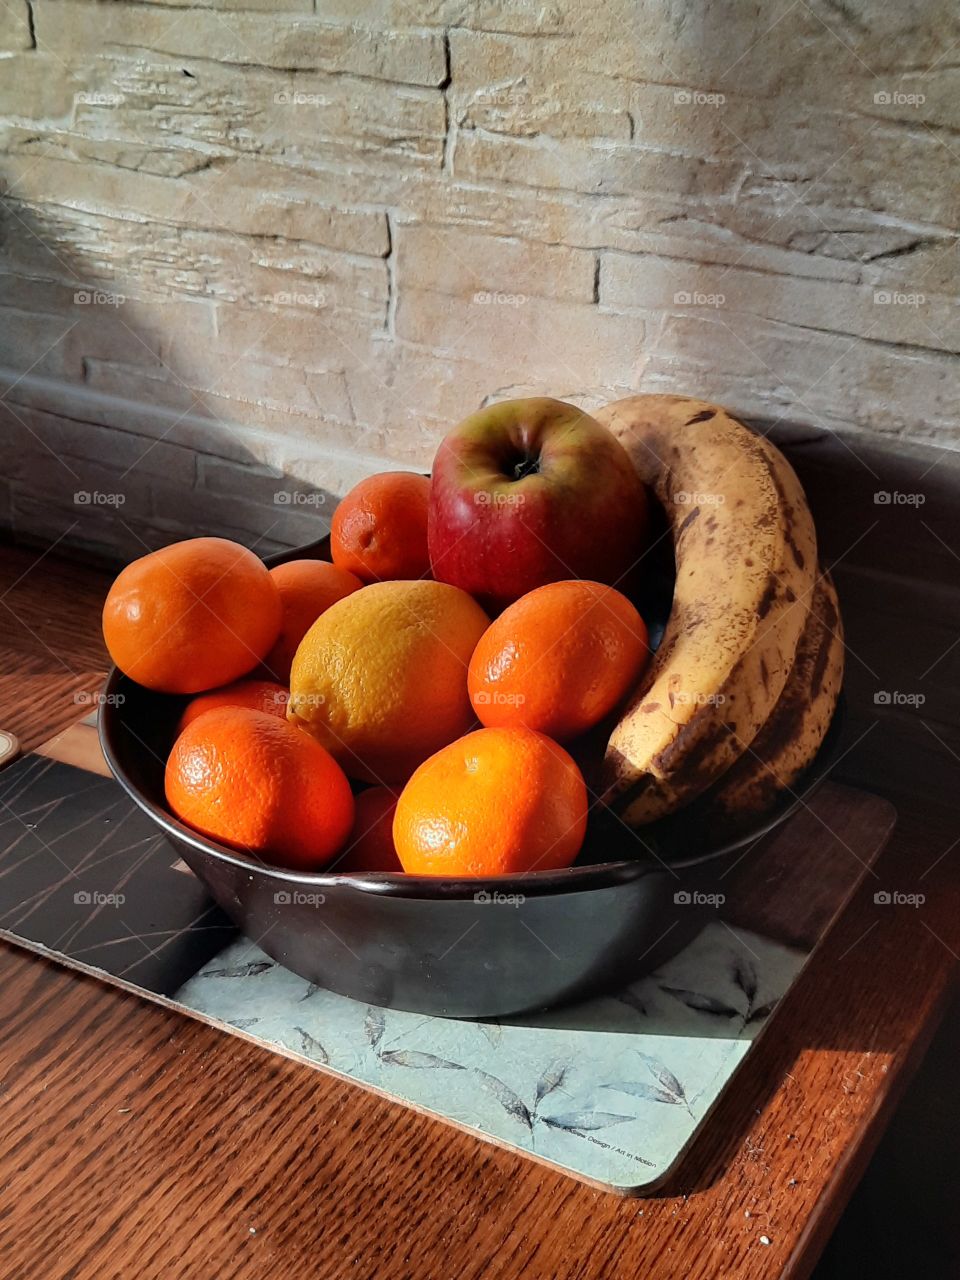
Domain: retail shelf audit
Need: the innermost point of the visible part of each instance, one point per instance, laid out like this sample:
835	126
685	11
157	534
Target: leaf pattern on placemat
633	1001
639	1089
551	1079
241	970
492	1033
511	1102
582	1121
312	1047
668	1088
764	1011
745	977
420	1061
702	1003
373	1026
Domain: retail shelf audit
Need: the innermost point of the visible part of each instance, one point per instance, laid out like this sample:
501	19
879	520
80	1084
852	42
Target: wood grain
791	885
136	1142
78	745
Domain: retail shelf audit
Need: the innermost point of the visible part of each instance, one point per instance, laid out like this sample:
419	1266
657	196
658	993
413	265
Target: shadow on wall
119	474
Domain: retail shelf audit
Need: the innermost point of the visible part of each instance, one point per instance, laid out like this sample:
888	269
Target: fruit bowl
451	947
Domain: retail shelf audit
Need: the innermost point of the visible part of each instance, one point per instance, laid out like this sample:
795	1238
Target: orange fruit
261	695
380	679
370	846
258	784
192	616
495	802
558	659
306	587
379	530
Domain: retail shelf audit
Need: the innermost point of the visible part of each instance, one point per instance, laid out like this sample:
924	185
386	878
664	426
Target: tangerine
307	588
261	695
258	784
370	846
495	802
192	616
379	530
559	659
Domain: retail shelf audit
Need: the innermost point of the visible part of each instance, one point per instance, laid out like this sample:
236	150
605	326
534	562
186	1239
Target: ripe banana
745	552
791	737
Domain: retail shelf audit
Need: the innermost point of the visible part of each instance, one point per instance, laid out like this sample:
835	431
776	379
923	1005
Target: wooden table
134	1142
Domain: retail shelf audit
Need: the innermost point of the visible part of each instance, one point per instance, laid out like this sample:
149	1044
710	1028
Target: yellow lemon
380	679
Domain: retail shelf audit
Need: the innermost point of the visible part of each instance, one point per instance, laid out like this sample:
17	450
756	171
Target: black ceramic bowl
463	948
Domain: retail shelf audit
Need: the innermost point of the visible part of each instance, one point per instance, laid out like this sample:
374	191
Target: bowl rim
401	885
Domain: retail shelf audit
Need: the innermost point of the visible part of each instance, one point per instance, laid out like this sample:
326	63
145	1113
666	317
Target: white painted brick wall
256	249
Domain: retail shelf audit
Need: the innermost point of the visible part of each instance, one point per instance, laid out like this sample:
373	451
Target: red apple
533	491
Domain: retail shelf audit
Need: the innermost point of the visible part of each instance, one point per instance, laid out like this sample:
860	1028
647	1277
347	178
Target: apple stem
526	467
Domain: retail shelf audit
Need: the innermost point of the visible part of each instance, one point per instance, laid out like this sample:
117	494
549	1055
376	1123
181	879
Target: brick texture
256	249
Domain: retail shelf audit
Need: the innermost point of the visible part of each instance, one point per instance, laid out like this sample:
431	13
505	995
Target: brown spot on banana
791	737
766	601
751	614
688	521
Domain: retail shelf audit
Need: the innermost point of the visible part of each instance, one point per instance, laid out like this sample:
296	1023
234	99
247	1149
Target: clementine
379	530
558	659
258	784
306	587
192	616
261	695
370	846
496	801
